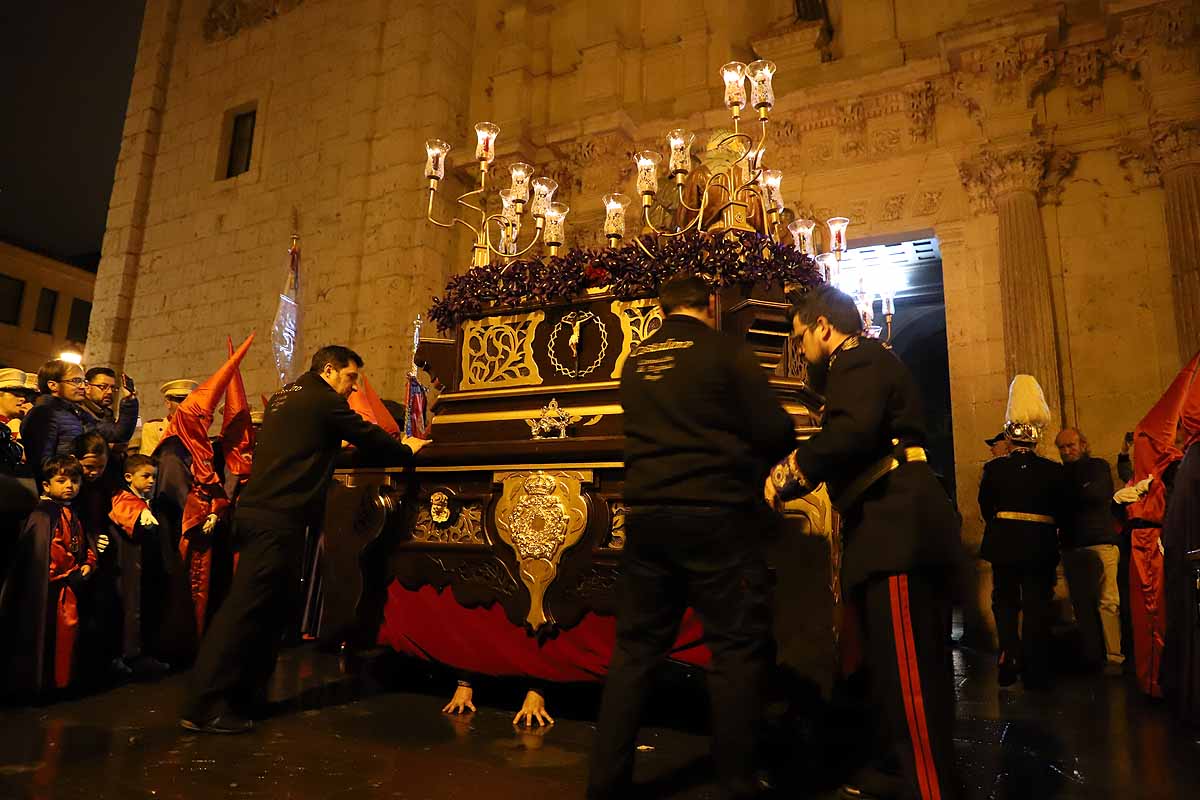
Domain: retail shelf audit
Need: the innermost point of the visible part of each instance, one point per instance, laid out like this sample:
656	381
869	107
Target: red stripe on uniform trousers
906	677
918	697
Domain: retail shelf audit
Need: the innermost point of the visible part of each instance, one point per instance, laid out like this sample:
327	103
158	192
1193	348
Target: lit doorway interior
912	271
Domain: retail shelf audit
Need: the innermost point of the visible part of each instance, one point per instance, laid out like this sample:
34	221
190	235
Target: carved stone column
1177	149
1010	183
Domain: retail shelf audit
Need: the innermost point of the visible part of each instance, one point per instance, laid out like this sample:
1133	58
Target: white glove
1126	495
147	520
1143	486
210	524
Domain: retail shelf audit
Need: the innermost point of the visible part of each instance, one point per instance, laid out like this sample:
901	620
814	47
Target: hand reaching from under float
461	702
533	711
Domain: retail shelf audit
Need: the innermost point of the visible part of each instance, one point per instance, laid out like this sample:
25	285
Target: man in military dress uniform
1021	497
900	535
173	393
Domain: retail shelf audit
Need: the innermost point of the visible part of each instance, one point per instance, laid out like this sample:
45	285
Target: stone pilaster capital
1175	144
1035	168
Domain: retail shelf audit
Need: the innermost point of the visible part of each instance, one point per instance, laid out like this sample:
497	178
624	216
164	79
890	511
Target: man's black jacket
904	521
1086	514
302	434
1025	483
702	425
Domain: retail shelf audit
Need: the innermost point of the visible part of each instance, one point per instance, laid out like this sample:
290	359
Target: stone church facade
1053	148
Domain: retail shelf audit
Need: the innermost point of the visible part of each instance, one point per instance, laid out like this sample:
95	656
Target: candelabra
733	191
549	217
736	186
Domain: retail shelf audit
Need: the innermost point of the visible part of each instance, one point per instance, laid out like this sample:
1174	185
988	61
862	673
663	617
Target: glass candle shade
556	217
830	268
614	215
837	234
734	75
770	181
485	146
762	95
435	159
511	211
681	151
802	233
521	175
647	177
543	193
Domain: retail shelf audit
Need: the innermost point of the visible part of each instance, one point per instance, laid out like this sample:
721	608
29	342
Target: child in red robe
46	591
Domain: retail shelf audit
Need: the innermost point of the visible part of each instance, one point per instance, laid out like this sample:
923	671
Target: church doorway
911	267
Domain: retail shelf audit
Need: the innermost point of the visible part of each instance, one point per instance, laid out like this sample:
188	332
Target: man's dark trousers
239	651
904	623
712	560
1025	590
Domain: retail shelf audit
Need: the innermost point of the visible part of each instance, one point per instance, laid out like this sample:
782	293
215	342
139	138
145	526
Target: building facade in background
1052	150
45	306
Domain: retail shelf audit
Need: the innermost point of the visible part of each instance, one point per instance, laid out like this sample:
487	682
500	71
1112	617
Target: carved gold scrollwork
540	515
464	528
498	351
639	320
616	534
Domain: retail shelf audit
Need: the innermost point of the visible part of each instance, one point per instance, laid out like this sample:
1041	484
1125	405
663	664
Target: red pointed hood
237	428
368	405
1154	437
191	420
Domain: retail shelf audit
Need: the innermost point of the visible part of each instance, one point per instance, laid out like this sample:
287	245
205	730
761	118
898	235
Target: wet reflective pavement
375	730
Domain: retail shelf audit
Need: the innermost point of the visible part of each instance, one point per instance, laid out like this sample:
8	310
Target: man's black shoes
223	725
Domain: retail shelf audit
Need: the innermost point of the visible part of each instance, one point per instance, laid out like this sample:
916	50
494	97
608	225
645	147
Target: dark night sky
65	69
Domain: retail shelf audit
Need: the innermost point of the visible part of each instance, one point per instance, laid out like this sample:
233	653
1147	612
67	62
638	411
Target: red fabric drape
432	625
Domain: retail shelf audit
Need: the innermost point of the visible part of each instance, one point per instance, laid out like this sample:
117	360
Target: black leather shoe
225	724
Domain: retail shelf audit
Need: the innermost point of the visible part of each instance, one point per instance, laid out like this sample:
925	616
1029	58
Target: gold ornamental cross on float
540	515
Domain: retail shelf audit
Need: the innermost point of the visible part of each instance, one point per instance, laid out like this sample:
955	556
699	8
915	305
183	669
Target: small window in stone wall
77	325
43	321
12	292
237	141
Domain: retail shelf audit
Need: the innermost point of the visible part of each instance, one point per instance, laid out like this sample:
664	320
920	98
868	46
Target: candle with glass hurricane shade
770	181
680	142
802	233
543	193
762	94
837	235
614	217
521	174
485	143
734	75
647	174
830	268
435	160
556	216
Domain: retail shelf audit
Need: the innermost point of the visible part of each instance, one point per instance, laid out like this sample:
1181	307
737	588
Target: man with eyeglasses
100	393
100	396
58	415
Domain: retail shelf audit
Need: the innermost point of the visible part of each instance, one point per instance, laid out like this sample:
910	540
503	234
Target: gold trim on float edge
511	468
481	394
521	414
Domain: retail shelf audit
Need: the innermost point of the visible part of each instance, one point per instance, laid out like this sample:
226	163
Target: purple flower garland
746	258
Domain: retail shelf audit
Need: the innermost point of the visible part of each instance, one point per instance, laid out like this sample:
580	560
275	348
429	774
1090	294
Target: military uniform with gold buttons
900	537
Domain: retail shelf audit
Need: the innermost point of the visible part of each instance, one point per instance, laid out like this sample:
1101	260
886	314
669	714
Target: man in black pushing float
303	430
